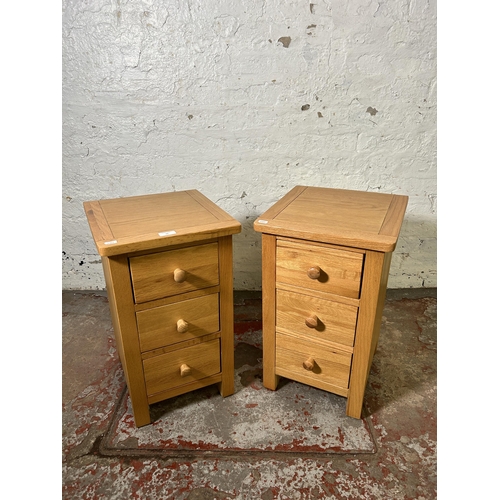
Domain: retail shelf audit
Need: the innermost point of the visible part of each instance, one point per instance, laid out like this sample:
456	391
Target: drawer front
328	369
175	271
172	323
314	318
163	372
319	268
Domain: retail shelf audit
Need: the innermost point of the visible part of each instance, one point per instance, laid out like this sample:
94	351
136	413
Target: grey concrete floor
302	444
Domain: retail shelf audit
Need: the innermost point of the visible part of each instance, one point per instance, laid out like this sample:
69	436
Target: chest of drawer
173	272
177	322
326	256
180	367
315	318
167	262
319	268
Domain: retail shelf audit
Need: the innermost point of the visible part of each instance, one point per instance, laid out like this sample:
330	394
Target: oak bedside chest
326	255
167	261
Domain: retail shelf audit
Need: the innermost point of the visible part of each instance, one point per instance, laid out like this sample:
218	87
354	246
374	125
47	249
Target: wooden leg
226	307
270	379
121	304
373	291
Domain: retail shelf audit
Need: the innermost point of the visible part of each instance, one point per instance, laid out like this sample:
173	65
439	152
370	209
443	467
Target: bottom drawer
312	364
182	366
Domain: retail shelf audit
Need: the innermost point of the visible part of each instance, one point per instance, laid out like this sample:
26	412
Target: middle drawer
312	317
172	323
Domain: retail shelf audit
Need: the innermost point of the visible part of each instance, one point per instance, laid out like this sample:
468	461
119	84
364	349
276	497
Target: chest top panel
137	223
351	218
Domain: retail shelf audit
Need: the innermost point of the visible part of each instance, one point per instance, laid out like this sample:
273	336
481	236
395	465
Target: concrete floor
295	443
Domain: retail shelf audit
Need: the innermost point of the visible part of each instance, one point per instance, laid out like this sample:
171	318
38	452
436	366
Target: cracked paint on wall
163	96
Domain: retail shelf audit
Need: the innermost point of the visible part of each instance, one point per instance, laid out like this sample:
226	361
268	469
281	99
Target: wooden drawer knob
185	370
314	272
308	364
312	321
179	275
182	326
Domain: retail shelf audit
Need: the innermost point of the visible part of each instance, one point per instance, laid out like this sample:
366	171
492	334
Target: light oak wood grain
182	389
120	297
226	387
174	347
350	218
175	298
335	322
269	380
164	372
340	270
153	275
159	326
329	369
326	259
319	294
137	223
167	259
370	313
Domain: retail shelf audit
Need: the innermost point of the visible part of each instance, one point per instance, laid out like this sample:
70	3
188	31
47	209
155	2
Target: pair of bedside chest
167	261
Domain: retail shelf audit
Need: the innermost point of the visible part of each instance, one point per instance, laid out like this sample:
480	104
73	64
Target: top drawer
175	271
319	268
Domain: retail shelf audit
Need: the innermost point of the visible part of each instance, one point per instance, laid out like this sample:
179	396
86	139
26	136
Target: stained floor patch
294	443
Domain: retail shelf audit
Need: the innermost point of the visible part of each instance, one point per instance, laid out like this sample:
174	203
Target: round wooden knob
312	321
185	370
314	272
308	364
182	326
179	275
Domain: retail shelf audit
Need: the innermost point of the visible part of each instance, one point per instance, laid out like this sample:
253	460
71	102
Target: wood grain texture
226	387
340	270
277	207
163	372
119	290
174	298
174	347
320	295
182	389
214	209
270	380
99	226
344	217
380	305
137	223
168	265
330	368
158	326
394	217
153	274
336	322
370	311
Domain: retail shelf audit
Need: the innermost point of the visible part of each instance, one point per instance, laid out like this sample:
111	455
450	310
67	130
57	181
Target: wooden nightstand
326	255
167	262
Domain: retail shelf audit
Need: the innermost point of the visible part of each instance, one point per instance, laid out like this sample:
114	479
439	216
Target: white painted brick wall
173	95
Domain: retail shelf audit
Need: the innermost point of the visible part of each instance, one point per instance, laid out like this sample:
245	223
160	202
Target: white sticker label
167	233
112	242
262	221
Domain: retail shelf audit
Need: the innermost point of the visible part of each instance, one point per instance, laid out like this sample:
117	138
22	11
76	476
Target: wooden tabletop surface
359	219
136	223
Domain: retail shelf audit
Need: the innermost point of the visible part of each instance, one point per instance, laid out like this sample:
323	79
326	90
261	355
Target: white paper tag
262	221
167	233
112	242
